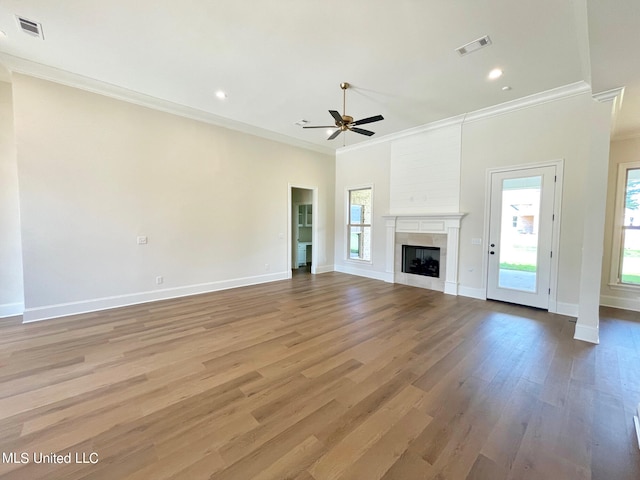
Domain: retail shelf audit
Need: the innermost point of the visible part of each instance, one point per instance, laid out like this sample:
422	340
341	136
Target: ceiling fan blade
334	134
318	126
336	115
362	131
376	118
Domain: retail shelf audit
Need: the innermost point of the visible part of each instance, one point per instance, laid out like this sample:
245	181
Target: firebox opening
421	260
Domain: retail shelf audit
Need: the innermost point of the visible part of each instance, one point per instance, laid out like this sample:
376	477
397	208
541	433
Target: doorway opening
302	213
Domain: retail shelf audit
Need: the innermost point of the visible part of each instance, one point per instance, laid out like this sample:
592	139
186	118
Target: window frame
615	275
349	225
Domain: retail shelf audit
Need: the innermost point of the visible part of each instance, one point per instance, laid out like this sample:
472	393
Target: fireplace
430	230
421	260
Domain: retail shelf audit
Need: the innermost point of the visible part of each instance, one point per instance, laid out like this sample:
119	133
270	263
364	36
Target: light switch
476	241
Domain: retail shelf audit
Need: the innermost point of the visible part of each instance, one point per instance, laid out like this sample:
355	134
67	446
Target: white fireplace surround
442	223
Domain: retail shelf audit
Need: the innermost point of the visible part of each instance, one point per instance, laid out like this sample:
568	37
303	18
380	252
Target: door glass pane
632	198
631	257
519	233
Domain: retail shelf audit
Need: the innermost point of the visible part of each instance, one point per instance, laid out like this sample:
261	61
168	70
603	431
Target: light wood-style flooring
317	378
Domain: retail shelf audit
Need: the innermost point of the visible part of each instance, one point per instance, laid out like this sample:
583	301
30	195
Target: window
626	262
359	224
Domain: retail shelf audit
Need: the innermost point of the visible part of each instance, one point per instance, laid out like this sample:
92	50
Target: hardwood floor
321	377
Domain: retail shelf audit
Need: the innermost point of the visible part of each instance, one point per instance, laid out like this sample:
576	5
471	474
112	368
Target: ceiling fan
344	122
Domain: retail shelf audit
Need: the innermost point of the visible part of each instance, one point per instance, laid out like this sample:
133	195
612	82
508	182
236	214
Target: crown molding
447	122
559	93
63	77
540	98
609	95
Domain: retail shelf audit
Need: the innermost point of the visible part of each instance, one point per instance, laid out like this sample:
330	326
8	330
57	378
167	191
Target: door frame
314	230
557	222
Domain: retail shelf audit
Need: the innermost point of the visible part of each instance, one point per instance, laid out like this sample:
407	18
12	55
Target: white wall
622	151
558	129
542	133
95	173
11	289
368	166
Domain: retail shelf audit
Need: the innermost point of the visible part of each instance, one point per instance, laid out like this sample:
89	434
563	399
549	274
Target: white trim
620	302
11	309
347	205
567	309
587	334
618	223
98	304
540	98
325	269
447	122
63	77
373	274
314	230
608	95
559	93
471	292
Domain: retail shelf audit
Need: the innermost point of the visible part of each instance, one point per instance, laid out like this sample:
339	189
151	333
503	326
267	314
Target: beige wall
622	151
11	298
95	173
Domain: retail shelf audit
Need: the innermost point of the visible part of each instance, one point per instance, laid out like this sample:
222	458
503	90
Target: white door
520	236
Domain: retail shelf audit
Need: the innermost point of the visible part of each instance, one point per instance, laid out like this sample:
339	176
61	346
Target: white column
451	278
597	165
389	269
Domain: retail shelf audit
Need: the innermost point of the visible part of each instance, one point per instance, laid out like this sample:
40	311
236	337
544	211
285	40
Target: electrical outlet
142	240
159	280
267	267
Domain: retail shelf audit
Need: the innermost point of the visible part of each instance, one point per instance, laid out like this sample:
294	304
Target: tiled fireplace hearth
427	230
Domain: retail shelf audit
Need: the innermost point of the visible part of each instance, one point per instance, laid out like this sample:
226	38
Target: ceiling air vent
29	26
475	45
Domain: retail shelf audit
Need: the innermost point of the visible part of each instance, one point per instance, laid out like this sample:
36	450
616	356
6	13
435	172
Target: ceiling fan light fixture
344	122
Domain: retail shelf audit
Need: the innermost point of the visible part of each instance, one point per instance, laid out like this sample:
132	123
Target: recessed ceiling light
495	73
221	95
506	88
302	122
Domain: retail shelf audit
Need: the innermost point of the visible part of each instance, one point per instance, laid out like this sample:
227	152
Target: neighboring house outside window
625	264
359	224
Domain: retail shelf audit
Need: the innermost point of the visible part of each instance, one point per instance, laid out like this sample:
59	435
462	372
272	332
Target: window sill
359	262
624	286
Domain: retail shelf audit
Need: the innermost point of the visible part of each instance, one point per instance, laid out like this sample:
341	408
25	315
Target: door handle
492	252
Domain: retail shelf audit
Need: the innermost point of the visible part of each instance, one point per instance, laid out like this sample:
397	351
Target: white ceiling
283	60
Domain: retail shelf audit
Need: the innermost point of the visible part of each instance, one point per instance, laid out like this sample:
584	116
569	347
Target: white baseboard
471	292
97	304
568	309
587	334
618	302
361	272
11	309
325	269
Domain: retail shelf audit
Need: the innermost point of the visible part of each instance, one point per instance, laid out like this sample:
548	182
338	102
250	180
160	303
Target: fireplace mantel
445	223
